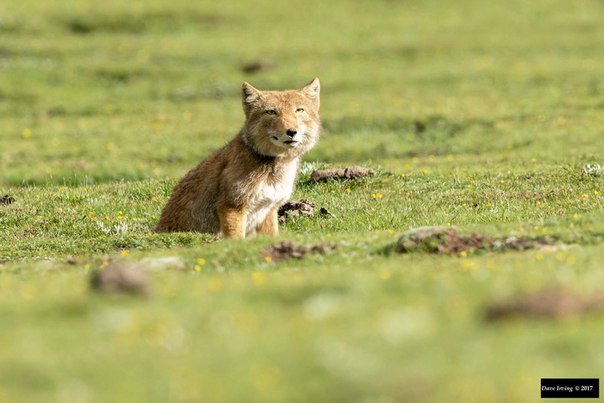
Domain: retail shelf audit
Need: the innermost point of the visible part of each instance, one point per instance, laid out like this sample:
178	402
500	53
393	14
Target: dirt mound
447	240
294	209
349	173
284	250
545	304
119	278
6	199
300	208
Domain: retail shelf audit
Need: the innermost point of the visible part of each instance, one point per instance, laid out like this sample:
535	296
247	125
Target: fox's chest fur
269	194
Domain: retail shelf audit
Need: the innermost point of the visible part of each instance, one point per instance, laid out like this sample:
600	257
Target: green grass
476	115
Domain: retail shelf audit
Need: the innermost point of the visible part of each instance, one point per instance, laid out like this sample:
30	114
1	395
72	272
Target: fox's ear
249	94
313	88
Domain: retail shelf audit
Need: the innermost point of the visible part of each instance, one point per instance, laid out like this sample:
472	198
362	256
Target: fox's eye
299	110
270	112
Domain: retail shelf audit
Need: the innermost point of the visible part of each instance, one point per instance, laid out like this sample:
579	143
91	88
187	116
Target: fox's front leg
232	222
270	225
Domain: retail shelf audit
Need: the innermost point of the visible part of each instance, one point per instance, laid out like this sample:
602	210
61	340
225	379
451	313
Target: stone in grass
119	278
348	173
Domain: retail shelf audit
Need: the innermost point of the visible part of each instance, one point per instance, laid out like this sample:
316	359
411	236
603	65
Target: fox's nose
291	132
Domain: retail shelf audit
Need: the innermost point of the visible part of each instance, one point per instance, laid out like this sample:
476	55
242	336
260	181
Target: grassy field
478	115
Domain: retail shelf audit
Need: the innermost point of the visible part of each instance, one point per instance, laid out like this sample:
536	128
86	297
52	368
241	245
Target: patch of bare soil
349	173
6	199
256	66
447	240
545	304
294	209
118	278
284	250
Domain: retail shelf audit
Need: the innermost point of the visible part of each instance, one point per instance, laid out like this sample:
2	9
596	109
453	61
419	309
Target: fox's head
281	123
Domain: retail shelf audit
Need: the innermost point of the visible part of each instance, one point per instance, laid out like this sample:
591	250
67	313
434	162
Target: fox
236	192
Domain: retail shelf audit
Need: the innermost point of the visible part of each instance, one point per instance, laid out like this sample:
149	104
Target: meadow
483	116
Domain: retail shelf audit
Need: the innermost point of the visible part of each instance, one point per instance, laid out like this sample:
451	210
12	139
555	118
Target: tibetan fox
237	191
